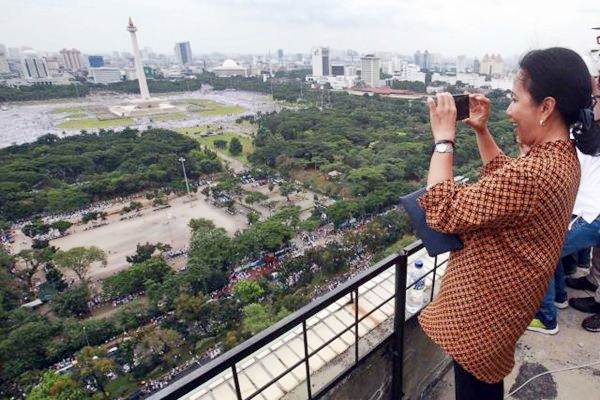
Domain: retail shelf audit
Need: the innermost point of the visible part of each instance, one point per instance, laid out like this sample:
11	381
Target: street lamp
187	185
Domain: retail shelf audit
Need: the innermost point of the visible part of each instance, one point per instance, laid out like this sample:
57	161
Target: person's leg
569	264
594	275
583	258
580	235
560	291
468	387
547	311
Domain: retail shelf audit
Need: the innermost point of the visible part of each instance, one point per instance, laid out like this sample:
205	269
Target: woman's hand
442	117
479	110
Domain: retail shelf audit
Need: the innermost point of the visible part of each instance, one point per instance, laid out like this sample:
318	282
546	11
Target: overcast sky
471	27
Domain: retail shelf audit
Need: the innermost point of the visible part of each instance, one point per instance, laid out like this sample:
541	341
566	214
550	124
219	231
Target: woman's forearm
488	149
440	168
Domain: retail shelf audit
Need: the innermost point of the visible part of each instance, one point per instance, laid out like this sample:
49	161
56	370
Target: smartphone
462	106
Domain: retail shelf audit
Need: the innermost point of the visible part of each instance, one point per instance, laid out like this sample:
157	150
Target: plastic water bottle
416	294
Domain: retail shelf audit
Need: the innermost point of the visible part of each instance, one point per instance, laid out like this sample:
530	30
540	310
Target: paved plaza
25	121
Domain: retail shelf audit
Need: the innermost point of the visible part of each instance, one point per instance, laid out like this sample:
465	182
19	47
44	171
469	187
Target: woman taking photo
512	221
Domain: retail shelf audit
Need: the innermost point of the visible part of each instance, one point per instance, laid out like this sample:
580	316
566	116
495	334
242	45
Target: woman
512	221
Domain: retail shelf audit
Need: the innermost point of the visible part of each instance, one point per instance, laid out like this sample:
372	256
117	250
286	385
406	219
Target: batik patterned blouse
512	223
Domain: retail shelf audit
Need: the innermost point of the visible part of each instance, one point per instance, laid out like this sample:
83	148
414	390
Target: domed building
230	68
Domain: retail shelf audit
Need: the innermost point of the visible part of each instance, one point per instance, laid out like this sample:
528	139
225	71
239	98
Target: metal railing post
236	382
308	388
435	265
399	317
356	327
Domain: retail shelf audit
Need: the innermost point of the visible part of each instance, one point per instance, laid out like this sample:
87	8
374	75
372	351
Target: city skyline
255	27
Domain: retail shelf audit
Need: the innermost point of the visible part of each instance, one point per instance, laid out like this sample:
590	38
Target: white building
130	74
230	68
72	59
34	67
491	65
105	75
320	61
370	66
4	68
183	52
409	72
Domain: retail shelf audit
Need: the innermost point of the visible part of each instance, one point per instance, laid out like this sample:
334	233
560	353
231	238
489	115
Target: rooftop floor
537	353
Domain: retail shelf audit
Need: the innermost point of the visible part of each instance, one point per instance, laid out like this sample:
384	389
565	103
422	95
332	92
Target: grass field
209	108
169	117
91	123
209	141
75	110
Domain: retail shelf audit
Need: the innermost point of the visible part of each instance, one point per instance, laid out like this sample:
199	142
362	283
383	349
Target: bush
73	302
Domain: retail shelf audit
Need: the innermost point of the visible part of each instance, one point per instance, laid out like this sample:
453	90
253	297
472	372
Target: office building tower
72	59
320	61
370	66
34	67
105	75
337	70
4	68
183	52
96	61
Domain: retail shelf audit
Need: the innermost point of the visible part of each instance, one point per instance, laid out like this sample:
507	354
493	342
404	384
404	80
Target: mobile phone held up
462	106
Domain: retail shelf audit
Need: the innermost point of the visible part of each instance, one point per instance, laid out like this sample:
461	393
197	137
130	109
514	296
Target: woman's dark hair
563	75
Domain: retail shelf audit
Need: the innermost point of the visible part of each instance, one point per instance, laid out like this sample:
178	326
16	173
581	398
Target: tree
287	188
144	252
253	217
79	259
200	223
158	344
62	226
257	317
248	291
73	302
94	365
53	386
188	307
35	228
220	144
31	260
235	146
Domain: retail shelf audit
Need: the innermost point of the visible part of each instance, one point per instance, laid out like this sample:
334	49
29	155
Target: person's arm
479	112
443	127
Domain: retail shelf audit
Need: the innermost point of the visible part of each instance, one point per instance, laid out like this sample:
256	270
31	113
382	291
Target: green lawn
209	108
61	110
122	386
209	141
90	123
169	117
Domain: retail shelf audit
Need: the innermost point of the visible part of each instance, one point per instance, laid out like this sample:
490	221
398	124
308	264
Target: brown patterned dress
512	223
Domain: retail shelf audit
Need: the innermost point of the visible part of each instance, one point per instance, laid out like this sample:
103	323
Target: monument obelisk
139	67
145	105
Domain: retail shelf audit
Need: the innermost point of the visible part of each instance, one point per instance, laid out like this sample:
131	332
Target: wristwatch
443	146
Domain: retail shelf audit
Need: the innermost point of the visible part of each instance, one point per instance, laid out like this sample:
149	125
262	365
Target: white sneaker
563	305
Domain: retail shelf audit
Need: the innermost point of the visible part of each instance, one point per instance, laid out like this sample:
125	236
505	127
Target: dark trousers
467	387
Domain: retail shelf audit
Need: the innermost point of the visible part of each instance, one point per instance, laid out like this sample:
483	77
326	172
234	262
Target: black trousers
467	387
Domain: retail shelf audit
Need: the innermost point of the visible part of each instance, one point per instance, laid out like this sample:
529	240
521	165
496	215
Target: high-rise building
4	68
320	61
337	70
53	65
96	61
370	66
72	59
105	75
418	58
476	66
491	65
280	55
34	67
183	52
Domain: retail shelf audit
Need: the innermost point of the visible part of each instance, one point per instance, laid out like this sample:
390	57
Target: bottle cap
418	263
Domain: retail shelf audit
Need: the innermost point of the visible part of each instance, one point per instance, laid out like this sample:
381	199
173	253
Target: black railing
231	358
